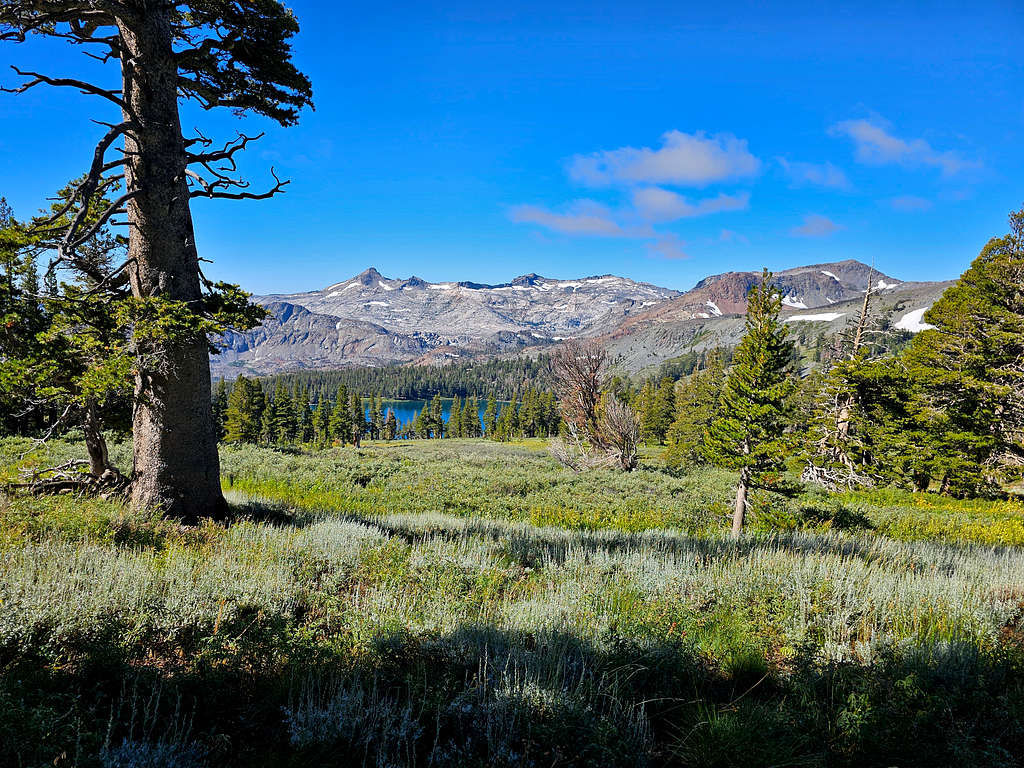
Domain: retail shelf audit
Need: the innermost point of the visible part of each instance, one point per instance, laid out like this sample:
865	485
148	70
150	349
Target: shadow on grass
259	691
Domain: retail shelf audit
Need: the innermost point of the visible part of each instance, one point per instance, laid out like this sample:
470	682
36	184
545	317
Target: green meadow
470	603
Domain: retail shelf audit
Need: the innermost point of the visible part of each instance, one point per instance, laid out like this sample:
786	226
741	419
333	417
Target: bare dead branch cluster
210	174
602	431
70	478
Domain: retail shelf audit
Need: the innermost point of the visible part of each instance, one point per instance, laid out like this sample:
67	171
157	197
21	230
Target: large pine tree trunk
176	467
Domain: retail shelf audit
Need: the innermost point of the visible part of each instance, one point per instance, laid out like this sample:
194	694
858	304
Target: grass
464	603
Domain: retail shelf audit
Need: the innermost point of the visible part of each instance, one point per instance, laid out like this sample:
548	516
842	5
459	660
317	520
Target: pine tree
305	417
220	407
221	55
322	422
455	418
436	417
968	370
490	417
696	407
378	417
268	424
244	412
357	414
390	425
341	417
748	434
471	417
285	421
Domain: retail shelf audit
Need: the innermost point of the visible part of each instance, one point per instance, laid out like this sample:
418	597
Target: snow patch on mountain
913	321
824	317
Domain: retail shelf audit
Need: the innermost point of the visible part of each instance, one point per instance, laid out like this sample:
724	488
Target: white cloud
815	225
728	236
667	246
683	159
812	174
909	203
584	217
875	145
657	204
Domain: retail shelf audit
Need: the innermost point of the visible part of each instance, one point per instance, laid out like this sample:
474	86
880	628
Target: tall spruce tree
341	416
244	413
969	370
471	417
748	434
357	413
322	422
490	416
455	418
696	407
390	425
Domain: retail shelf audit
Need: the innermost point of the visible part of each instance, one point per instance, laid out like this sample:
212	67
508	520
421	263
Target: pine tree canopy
748	433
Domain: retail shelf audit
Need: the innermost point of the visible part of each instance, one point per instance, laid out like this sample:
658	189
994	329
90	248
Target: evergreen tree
322	422
696	407
305	417
435	420
268	424
664	408
221	55
286	425
471	418
244	413
220	407
341	417
507	427
357	414
377	418
490	416
455	418
748	433
968	370
643	405
390	425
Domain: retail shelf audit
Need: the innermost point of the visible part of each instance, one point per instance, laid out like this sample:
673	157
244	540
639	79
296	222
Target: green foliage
749	432
500	379
656	406
244	413
970	387
397	608
697	399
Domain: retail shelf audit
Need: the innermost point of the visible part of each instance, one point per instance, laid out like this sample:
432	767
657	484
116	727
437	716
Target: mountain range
373	320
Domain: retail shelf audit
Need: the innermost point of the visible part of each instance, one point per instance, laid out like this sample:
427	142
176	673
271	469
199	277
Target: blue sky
661	141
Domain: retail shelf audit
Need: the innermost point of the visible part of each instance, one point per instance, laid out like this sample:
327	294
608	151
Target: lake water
406	409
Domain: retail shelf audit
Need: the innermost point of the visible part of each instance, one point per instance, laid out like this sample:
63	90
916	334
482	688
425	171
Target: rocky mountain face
374	320
818	300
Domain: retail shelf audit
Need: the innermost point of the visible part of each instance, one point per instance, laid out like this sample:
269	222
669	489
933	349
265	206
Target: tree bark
95	443
739	511
176	467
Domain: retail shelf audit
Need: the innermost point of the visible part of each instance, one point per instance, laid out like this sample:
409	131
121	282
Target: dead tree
578	371
601	431
233	55
832	466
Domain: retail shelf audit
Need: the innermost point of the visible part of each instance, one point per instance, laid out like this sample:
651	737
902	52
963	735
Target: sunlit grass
470	603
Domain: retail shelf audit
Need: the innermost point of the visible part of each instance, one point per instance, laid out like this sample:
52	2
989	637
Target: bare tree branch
86	88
